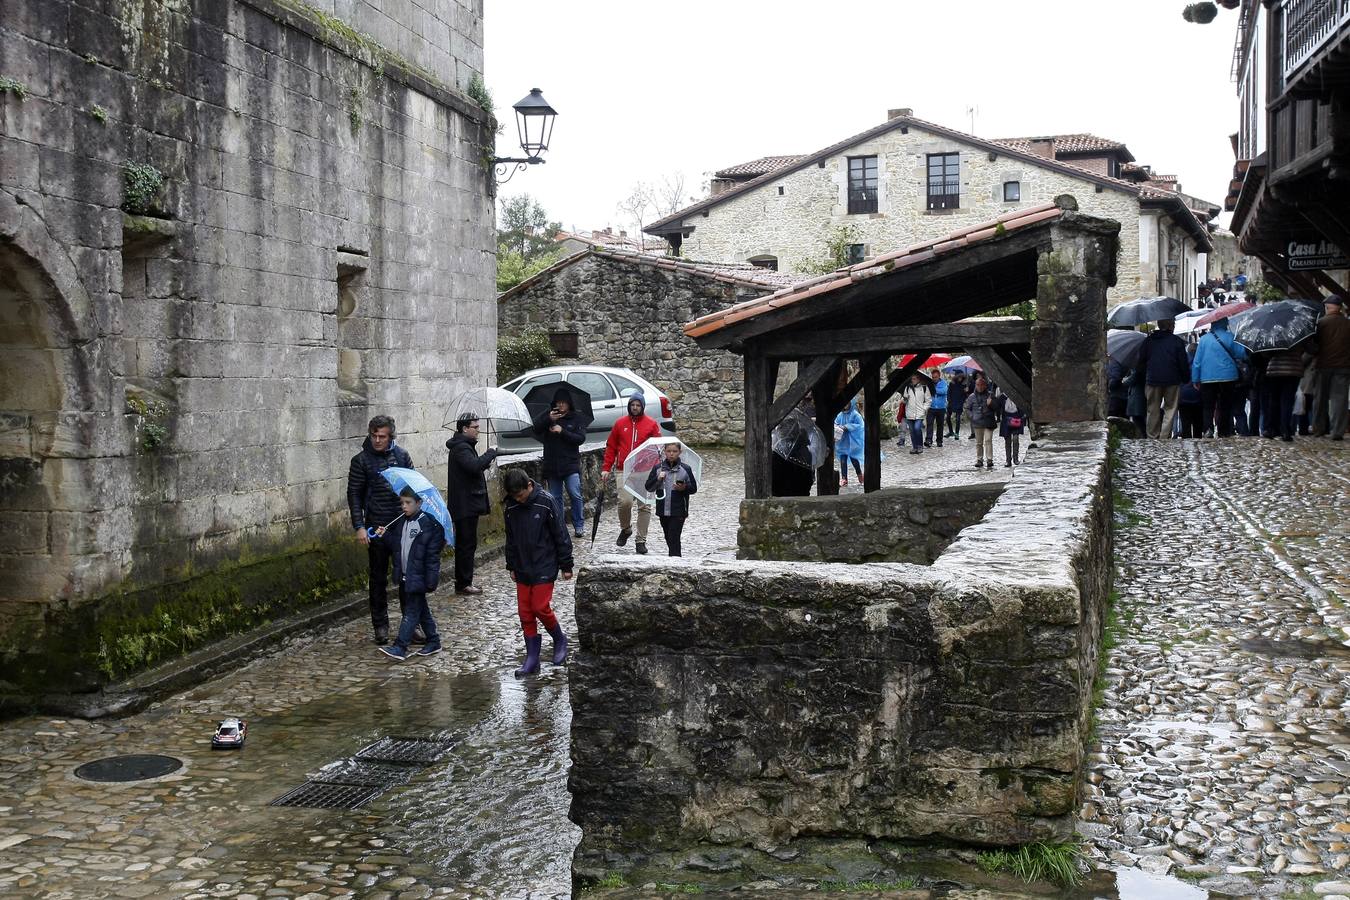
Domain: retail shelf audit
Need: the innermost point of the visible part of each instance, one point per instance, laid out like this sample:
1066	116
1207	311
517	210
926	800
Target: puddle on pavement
1136	884
491	814
1295	649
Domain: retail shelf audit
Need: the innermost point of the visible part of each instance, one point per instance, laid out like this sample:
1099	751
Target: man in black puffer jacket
467	497
374	504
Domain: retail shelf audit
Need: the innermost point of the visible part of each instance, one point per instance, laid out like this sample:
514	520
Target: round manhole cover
137	767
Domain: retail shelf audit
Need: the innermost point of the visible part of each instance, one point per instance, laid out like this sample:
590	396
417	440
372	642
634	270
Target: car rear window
227	731
524	387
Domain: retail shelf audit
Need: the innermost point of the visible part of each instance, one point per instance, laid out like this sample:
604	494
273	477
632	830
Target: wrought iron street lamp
534	126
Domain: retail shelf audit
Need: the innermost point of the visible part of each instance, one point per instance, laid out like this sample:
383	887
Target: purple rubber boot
531	664
559	645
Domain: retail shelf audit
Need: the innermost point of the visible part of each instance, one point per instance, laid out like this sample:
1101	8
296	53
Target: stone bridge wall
725	715
893	525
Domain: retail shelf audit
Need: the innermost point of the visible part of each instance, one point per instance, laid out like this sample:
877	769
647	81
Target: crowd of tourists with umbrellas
1274	370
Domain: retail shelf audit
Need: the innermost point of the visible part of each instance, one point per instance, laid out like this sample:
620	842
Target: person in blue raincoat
1215	369
848	441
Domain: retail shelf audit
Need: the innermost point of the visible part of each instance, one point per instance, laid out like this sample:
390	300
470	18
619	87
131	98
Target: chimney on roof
623	234
1044	147
897	113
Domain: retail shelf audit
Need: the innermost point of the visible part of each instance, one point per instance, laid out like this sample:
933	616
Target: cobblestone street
1224	739
1225	744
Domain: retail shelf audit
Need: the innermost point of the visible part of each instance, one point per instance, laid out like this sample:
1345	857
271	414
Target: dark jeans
935	419
466	545
1216	407
954	421
415	612
380	557
672	526
915	432
1260	420
1278	404
1190	420
843	468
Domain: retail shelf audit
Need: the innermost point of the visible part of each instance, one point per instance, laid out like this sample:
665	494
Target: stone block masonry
311	244
894	525
728	717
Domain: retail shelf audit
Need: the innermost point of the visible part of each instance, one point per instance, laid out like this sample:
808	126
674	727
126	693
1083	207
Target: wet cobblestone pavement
1224	737
1225	743
488	821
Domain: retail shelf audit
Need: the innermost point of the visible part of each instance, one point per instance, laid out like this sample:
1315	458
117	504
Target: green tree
836	252
512	268
525	228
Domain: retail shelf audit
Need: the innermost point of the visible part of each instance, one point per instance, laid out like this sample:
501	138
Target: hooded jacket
562	452
983	413
1217	356
422	572
370	499
851	421
628	434
940	389
670	503
466	494
537	544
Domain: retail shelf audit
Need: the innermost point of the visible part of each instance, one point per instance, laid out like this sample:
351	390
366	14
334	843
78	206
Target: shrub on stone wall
515	355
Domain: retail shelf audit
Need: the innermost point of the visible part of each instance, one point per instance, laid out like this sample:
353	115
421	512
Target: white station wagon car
609	388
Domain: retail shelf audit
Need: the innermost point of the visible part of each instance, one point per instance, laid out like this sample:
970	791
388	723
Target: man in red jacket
626	436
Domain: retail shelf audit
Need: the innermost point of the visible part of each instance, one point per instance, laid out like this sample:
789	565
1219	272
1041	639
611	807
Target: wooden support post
827	476
808	374
758	441
1004	375
872	430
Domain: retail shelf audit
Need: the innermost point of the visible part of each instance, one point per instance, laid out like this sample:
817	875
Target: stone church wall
184	387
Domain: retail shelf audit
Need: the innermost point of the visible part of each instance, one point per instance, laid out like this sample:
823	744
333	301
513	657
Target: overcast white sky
645	89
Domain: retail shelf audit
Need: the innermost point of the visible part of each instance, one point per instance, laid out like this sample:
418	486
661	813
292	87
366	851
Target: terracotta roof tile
757	167
1065	143
870	268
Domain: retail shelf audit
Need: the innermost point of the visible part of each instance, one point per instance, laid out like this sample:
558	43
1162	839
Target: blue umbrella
400	478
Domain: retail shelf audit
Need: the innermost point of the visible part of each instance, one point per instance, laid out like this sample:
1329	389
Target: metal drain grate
406	751
361	771
330	795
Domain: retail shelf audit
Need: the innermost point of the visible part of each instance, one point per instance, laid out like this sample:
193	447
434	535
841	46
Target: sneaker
928	443
843	482
979	463
381	635
989	465
623	537
641	548
577	532
428	650
955	437
395	652
469	590
1007	465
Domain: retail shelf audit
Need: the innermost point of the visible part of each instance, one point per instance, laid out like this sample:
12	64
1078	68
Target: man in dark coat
1166	367
467	497
373	503
957	391
1333	370
562	433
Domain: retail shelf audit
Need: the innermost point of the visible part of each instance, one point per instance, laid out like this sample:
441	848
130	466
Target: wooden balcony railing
1307	26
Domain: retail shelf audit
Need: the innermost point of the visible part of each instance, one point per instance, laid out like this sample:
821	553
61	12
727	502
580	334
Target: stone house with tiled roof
908	180
613	307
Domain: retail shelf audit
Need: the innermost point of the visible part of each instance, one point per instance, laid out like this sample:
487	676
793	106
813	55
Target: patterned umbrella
1276	326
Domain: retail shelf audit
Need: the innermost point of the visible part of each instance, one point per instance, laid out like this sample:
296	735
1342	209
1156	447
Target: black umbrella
1124	346
539	401
599	505
1146	309
1275	326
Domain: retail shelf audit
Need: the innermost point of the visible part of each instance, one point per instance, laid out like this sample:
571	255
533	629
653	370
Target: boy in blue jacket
538	548
415	541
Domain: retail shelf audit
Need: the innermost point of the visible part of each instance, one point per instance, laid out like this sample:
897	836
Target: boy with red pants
538	547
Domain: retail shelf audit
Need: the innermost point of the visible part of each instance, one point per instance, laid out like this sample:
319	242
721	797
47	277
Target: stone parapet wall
726	713
893	525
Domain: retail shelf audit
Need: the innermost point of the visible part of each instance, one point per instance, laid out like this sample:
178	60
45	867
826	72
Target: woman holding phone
672	482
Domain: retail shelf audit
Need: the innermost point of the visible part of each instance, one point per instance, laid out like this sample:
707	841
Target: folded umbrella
595	520
499	410
1146	309
1275	326
432	502
1124	346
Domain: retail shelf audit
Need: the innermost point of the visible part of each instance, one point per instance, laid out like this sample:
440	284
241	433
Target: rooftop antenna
972	112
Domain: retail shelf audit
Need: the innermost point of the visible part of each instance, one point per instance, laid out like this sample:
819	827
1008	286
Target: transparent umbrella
499	410
798	440
648	456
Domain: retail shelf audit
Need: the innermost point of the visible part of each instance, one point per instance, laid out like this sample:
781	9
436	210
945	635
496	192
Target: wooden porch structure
918	301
